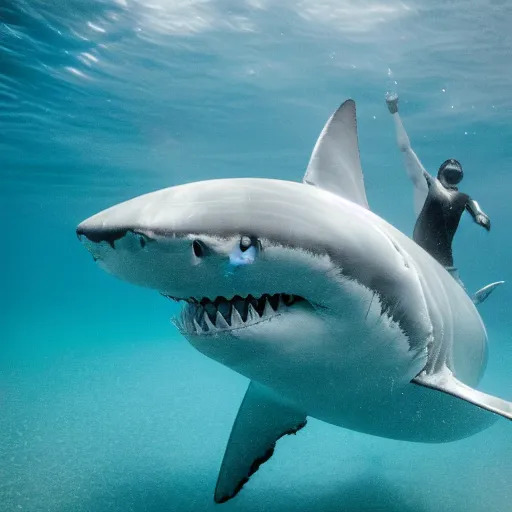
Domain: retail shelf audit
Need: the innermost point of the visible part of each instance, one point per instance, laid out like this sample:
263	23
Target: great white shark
329	310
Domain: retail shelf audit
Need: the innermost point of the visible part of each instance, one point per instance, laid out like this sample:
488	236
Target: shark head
263	268
236	253
279	264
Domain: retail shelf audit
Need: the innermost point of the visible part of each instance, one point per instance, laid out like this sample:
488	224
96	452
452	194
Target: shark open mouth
207	316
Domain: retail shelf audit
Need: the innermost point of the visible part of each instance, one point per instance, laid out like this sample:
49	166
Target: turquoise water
104	407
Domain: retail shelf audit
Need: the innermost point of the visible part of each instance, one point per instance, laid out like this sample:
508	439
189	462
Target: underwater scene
256	255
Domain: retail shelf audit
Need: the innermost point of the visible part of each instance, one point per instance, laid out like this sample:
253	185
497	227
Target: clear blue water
103	406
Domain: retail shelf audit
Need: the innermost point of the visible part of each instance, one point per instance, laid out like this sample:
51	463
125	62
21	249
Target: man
439	204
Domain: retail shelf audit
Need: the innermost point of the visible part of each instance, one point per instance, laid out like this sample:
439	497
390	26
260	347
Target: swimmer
439	204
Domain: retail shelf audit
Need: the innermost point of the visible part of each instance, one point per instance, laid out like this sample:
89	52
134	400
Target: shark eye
198	249
246	242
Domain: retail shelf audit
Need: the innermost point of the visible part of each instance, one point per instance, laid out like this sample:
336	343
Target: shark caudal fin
335	164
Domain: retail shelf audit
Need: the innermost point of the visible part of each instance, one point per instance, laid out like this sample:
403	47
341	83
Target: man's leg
454	272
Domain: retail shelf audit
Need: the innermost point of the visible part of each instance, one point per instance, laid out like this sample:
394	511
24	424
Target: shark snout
112	247
175	263
96	234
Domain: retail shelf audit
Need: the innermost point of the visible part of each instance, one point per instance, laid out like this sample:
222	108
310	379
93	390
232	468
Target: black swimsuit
438	222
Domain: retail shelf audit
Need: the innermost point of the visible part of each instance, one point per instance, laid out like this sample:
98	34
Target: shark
327	309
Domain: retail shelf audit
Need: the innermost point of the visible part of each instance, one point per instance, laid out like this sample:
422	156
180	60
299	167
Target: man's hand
392	102
482	220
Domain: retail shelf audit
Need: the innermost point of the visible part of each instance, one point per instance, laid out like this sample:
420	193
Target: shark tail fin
484	292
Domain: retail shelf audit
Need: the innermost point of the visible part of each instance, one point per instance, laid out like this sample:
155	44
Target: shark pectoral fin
335	164
262	419
445	381
484	292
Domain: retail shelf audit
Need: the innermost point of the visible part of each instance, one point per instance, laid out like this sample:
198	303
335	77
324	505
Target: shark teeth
206	316
252	316
220	321
267	311
210	326
236	319
197	327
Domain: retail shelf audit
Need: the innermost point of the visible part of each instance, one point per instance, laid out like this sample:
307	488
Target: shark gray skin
329	310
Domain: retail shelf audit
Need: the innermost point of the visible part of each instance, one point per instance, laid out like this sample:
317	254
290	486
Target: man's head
450	173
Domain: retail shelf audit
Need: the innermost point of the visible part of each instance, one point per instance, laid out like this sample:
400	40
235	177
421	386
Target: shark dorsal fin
334	164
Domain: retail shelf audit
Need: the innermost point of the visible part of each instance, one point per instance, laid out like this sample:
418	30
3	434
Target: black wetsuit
438	222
